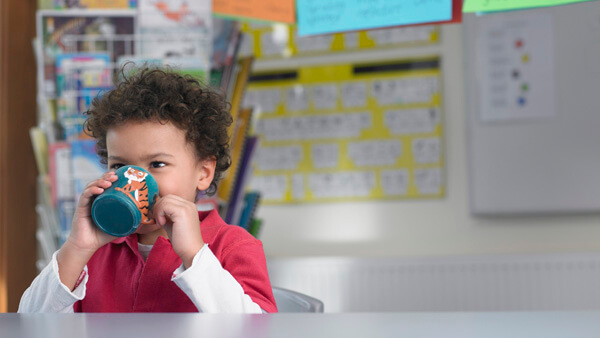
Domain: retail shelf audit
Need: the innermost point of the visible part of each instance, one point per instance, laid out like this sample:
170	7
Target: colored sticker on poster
266	10
506	5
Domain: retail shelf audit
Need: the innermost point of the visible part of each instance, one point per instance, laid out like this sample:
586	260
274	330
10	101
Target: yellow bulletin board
278	40
349	132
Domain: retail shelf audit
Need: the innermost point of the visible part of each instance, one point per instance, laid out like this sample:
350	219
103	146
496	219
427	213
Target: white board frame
546	165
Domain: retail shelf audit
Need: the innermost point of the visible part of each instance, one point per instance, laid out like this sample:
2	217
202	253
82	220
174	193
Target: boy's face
162	150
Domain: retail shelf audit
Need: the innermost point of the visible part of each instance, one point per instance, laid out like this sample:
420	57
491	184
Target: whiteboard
547	161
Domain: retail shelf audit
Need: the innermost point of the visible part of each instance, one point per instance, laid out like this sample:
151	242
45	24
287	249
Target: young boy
185	261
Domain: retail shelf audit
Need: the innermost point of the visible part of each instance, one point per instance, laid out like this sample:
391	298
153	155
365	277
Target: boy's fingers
167	207
97	187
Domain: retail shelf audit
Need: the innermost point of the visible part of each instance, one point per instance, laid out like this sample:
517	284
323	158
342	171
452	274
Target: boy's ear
207	172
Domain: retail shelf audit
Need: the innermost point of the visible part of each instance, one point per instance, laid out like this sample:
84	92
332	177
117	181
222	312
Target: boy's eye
157	164
116	166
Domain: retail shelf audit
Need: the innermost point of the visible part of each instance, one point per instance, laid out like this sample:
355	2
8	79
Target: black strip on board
273	77
389	67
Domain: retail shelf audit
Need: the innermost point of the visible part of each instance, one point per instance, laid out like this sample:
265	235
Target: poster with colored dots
516	67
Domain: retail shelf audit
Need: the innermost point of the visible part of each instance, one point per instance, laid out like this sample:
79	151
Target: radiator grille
465	283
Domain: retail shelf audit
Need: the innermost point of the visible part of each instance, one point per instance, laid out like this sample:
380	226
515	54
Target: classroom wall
420	227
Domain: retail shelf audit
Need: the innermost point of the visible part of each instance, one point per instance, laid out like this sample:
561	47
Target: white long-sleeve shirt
210	287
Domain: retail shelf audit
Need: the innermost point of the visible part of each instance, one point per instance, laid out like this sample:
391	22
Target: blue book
251	200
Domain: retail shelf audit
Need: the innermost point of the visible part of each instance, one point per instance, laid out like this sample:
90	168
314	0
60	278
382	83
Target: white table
346	325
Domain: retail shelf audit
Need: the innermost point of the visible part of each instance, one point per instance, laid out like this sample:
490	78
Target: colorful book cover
96	4
77	71
255	227
251	201
64	32
80	77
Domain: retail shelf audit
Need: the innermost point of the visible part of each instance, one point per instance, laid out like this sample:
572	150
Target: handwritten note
332	126
375	153
296	98
283	158
270	10
270	186
325	96
325	155
407	90
428	181
342	184
504	5
394	182
354	94
412	121
328	16
298	186
426	150
267	100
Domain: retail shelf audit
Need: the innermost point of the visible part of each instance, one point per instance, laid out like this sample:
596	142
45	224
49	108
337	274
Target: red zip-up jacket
121	281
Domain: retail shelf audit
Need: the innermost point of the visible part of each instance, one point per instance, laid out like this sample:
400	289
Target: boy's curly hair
160	94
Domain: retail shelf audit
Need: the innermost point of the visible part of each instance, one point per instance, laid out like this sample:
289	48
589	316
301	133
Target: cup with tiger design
127	203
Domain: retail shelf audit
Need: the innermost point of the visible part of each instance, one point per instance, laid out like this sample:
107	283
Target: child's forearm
71	261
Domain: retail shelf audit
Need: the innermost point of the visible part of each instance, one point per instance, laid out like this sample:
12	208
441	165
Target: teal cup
126	204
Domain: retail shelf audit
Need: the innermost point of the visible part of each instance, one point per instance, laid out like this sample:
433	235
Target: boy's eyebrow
145	158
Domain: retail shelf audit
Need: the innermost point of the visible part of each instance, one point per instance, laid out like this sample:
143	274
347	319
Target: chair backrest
292	301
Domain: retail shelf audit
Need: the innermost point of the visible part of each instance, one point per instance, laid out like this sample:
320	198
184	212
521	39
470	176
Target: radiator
456	283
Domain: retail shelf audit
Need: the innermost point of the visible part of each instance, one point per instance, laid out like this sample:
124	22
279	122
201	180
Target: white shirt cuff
79	292
211	288
48	294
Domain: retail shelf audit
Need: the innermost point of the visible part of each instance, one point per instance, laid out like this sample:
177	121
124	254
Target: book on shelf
242	177
238	138
39	143
96	4
255	227
251	201
47	233
80	77
237	88
61	185
85	165
59	160
227	37
81	31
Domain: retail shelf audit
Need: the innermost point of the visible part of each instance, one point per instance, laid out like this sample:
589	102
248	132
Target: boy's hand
85	237
179	217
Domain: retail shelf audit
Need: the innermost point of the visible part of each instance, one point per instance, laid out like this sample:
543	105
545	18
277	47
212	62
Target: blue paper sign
329	16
